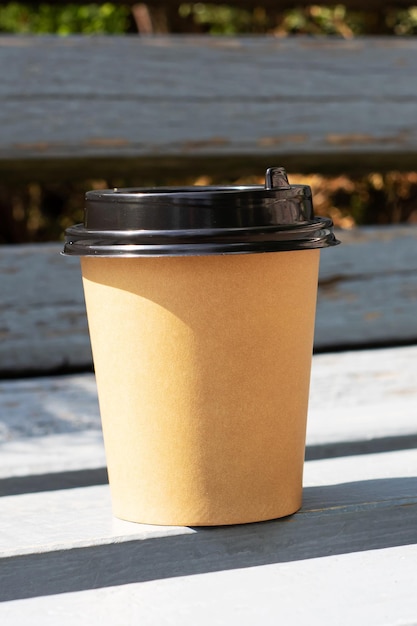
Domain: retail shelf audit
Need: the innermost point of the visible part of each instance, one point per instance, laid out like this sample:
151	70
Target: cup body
203	369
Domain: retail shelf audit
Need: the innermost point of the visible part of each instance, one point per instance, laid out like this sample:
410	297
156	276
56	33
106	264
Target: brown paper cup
203	367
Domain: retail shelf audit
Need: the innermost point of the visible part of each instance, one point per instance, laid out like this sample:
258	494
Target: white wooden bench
80	107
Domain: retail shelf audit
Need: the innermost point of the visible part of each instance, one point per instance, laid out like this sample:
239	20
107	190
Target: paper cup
203	365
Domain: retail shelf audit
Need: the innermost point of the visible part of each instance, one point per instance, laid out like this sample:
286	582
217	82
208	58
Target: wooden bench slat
43	322
368	289
42	74
315	102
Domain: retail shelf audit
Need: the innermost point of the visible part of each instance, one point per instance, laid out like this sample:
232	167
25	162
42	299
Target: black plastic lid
183	221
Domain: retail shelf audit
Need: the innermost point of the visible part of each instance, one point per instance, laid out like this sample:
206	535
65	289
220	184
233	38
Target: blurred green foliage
224	19
216	19
19	18
310	20
403	22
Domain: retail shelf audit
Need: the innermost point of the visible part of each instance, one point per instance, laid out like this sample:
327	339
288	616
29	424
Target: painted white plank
374	588
362	395
367	294
49	425
67	541
359	401
66	519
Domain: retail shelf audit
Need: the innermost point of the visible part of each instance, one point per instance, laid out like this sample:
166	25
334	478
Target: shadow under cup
202	354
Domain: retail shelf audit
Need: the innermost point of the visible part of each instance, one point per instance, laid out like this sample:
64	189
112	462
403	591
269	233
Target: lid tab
276	178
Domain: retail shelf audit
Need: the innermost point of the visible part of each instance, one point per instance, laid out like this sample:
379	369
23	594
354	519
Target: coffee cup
201	307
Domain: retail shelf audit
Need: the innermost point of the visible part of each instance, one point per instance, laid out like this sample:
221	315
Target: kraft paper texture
203	369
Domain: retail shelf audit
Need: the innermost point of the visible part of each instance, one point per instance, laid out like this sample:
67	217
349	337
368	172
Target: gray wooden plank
50	431
368	288
367	296
67	541
43	322
208	97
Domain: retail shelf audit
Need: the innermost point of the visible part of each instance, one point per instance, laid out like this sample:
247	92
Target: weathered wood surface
110	105
368	289
43	323
50	433
367	296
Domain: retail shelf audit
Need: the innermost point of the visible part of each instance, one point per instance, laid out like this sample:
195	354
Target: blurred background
40	211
